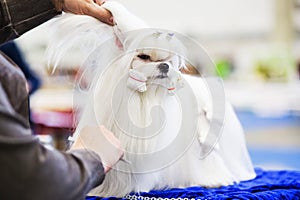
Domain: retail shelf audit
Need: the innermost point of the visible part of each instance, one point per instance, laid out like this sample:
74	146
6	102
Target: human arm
31	171
18	17
28	170
85	7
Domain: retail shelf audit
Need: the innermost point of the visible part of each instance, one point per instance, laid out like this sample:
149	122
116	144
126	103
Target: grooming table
267	185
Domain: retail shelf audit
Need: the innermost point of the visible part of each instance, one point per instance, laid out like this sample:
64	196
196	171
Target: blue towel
267	185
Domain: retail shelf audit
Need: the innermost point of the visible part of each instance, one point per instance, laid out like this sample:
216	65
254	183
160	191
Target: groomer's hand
101	141
86	7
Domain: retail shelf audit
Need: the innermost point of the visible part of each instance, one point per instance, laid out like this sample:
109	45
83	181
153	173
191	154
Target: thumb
101	13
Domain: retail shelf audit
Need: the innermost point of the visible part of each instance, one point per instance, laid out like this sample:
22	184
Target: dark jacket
19	16
28	170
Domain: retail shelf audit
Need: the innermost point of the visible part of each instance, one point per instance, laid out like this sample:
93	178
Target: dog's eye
144	57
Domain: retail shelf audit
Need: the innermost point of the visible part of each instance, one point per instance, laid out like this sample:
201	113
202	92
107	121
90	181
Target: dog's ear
189	69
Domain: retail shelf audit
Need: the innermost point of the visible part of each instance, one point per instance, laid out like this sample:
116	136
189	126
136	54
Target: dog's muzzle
137	81
163	70
163	67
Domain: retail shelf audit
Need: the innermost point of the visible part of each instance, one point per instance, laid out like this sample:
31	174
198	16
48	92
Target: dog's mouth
162	76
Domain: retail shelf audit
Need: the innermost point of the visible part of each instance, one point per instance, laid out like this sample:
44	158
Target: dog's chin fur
129	113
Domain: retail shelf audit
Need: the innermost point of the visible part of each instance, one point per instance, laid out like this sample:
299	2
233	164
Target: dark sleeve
28	170
31	171
18	16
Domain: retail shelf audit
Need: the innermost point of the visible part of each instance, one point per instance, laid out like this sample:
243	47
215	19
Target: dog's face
156	65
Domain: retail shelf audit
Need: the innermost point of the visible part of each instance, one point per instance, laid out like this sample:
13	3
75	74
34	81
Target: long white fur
228	162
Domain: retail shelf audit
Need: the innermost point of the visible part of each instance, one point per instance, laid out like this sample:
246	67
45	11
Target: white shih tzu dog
177	129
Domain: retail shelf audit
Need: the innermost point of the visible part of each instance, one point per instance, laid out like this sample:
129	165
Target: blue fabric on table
267	185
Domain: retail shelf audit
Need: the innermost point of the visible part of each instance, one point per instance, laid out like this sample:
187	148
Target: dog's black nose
163	67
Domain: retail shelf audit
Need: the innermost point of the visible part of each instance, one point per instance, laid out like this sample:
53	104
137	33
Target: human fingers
110	137
99	2
88	7
112	156
100	13
101	141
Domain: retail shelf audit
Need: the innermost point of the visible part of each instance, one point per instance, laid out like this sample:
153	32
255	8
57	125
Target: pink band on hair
137	79
171	88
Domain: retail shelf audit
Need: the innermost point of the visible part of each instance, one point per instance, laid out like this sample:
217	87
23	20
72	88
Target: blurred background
255	45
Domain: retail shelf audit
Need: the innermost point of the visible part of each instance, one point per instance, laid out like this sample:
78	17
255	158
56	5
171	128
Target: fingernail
111	20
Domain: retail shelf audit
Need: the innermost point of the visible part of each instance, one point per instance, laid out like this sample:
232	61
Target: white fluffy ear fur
76	33
125	20
84	33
